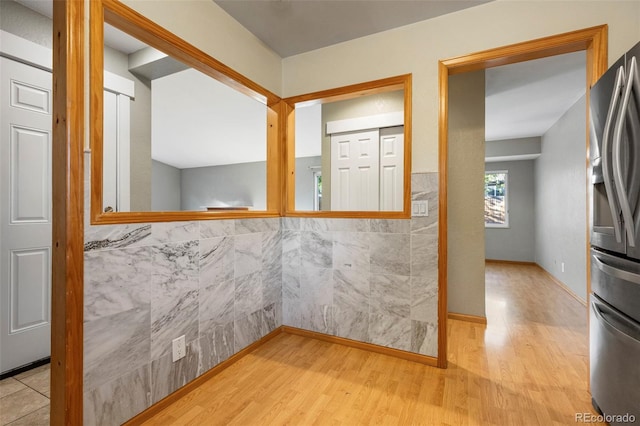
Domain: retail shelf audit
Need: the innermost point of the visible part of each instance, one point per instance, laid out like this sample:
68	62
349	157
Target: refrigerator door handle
615	272
625	205
609	187
624	330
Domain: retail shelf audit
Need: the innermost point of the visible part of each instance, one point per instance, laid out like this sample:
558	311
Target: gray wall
560	185
517	242
465	264
165	187
233	184
24	22
236	184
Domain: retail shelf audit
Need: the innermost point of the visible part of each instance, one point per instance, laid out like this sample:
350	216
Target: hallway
527	366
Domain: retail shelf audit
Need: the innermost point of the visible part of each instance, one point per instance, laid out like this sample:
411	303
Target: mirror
176	135
350	150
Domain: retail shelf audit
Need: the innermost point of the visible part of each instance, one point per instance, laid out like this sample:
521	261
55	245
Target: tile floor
24	398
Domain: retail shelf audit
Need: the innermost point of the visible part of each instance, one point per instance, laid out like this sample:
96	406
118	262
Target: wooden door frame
592	40
68	212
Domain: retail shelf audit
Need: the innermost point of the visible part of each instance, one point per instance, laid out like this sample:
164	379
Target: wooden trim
443	241
400	82
593	40
408	137
289	165
509	262
564	287
198	381
137	25
559	44
68	213
468	318
274	156
96	107
383	85
397	353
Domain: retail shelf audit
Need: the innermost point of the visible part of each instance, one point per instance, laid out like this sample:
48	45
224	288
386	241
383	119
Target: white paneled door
367	170
25	214
354	170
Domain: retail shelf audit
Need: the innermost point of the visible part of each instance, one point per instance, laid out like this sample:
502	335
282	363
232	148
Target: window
496	210
317	185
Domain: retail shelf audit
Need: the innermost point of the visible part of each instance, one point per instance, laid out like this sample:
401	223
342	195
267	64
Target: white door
354	171
116	143
391	168
25	214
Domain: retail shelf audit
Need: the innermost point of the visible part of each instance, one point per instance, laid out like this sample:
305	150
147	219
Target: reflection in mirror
327	137
183	141
351	149
175	134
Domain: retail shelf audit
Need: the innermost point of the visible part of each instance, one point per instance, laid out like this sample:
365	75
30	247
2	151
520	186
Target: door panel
30	175
354	156
25	214
392	168
29	289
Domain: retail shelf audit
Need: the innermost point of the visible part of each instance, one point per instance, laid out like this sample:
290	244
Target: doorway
592	40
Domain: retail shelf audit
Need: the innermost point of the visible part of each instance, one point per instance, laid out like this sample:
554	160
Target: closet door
355	160
25	214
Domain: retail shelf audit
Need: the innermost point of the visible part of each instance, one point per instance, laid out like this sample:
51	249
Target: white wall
561	179
517	242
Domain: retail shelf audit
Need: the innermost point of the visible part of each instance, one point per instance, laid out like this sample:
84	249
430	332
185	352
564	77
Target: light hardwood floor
527	366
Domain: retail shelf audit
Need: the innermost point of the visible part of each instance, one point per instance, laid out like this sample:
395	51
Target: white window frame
506	199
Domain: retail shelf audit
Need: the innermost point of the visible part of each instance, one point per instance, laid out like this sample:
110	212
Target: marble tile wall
225	284
218	283
370	280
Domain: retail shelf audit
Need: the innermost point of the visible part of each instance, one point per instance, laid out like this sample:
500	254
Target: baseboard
510	262
397	353
467	318
197	382
564	287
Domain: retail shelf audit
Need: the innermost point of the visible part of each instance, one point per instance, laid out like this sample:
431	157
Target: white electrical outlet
562	266
179	349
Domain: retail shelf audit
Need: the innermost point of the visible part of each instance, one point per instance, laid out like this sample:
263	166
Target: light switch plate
420	208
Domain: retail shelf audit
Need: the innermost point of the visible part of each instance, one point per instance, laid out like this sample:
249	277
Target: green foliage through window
495	198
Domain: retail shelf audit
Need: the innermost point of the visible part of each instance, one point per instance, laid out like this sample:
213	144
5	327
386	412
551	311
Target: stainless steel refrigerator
615	241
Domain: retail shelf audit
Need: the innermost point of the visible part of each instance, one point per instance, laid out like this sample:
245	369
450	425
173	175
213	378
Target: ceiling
522	100
290	27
